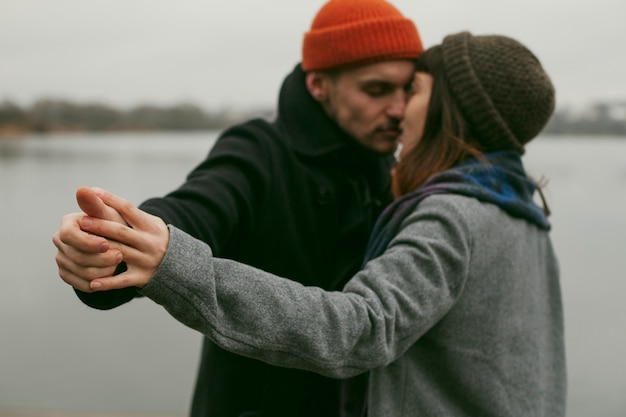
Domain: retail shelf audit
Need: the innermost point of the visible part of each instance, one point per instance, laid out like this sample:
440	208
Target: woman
457	310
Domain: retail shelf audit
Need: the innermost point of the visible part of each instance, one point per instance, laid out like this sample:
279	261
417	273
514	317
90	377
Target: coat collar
310	130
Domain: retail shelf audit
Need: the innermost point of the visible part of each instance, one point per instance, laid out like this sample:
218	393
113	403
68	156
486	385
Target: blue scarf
501	181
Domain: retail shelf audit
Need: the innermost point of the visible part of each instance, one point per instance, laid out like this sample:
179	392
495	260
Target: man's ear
317	84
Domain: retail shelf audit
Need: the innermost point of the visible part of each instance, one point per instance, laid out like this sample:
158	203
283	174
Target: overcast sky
236	52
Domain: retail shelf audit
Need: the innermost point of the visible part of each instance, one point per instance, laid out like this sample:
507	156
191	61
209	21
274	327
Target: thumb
92	205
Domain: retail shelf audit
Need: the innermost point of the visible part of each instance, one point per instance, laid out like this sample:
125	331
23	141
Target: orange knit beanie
358	32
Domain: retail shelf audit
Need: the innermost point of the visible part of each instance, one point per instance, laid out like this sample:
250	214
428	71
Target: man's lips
391	132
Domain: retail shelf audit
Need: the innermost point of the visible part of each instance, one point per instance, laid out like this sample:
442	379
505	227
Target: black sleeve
218	201
216	204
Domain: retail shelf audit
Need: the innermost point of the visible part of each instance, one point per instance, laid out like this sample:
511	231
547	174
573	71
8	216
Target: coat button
323	195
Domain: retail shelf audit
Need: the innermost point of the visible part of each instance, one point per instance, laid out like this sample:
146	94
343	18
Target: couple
447	302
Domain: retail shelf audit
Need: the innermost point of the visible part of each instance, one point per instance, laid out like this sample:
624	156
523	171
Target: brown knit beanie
500	87
358	32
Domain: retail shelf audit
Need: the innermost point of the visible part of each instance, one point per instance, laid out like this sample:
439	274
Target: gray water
57	354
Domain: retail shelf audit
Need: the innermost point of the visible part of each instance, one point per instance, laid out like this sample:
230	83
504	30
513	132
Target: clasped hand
110	230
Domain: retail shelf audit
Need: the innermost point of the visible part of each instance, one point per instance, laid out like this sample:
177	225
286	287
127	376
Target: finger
74	281
70	234
90	269
71	278
92	205
139	248
115	232
135	217
123	280
94	260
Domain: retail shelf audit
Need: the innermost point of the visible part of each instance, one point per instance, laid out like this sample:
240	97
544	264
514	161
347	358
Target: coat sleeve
216	204
218	201
379	314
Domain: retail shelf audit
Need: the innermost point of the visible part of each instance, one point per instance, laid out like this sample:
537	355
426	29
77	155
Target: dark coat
296	197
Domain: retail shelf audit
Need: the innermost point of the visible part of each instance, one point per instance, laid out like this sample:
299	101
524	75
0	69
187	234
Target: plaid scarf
501	180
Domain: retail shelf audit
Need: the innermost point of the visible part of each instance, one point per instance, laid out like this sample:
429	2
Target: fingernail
86	221
119	257
97	190
95	285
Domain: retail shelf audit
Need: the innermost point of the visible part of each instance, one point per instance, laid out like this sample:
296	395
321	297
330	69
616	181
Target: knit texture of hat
501	89
357	32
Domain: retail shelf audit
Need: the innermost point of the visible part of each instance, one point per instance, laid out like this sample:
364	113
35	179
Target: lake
57	354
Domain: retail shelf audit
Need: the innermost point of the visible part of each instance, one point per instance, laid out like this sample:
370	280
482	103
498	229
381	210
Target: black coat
296	197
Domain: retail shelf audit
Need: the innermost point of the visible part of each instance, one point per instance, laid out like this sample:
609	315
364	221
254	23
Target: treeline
602	118
49	115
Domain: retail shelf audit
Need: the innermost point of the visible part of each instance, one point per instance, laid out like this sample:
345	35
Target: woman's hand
142	242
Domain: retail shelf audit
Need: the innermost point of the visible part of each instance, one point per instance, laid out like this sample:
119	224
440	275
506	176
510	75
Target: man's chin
380	143
386	147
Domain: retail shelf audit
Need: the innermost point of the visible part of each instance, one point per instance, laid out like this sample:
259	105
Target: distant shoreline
12	134
61	116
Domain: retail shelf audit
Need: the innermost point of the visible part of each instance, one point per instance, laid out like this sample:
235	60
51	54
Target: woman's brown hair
446	140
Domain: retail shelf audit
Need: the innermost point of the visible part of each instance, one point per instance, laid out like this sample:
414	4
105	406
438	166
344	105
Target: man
296	197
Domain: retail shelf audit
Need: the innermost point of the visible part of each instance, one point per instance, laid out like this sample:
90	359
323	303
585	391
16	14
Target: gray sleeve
379	314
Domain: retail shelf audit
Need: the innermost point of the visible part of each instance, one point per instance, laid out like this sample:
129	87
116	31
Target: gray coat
461	316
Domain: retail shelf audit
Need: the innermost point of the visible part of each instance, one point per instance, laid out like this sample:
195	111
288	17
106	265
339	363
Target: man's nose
397	105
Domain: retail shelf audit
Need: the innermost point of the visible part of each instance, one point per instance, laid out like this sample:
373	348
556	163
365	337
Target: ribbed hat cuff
360	42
